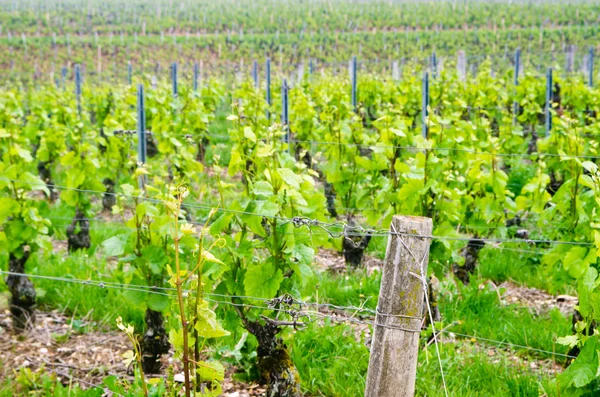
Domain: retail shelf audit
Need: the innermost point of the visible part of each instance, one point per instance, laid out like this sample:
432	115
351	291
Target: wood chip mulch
86	358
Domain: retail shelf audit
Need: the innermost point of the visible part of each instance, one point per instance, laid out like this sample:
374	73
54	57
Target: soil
537	300
332	261
55	345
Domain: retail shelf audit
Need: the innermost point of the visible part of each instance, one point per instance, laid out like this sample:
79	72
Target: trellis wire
342	229
158	290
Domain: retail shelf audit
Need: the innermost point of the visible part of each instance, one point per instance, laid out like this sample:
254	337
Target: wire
343	229
163	291
497	342
470	151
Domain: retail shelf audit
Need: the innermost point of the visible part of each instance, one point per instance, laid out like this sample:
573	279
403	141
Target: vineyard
284	199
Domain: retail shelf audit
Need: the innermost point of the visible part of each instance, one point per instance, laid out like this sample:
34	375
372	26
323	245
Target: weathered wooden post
395	347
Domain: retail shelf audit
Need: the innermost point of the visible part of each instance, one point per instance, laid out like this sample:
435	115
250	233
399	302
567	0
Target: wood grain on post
394	350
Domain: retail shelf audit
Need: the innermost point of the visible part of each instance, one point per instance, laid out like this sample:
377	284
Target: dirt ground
55	345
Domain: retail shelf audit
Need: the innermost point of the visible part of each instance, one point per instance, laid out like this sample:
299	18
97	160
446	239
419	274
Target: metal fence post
174	78
78	87
591	67
548	100
425	104
268	86
141	132
285	117
353	71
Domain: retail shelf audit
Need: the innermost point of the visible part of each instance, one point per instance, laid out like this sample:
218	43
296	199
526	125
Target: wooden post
395	347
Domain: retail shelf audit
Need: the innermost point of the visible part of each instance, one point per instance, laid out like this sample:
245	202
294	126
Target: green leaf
8	207
290	178
32	182
221	223
583	370
248	134
574	261
127	189
263	280
156	258
302	271
304	253
569	340
211	371
115	245
207	324
24	154
158	302
267	208
209	257
263	188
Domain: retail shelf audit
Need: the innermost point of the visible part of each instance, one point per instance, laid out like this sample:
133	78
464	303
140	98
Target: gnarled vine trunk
45	175
154	343
151	148
354	249
330	197
81	239
275	366
22	300
202	144
109	199
471	254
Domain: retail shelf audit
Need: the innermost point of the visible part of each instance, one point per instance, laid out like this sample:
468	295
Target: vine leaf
263	281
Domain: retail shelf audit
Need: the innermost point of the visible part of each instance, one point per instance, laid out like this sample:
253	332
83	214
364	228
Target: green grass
523	268
480	314
42	383
353	289
477	375
334	363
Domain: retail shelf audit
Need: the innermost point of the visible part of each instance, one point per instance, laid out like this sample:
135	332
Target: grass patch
481	314
524	268
332	362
